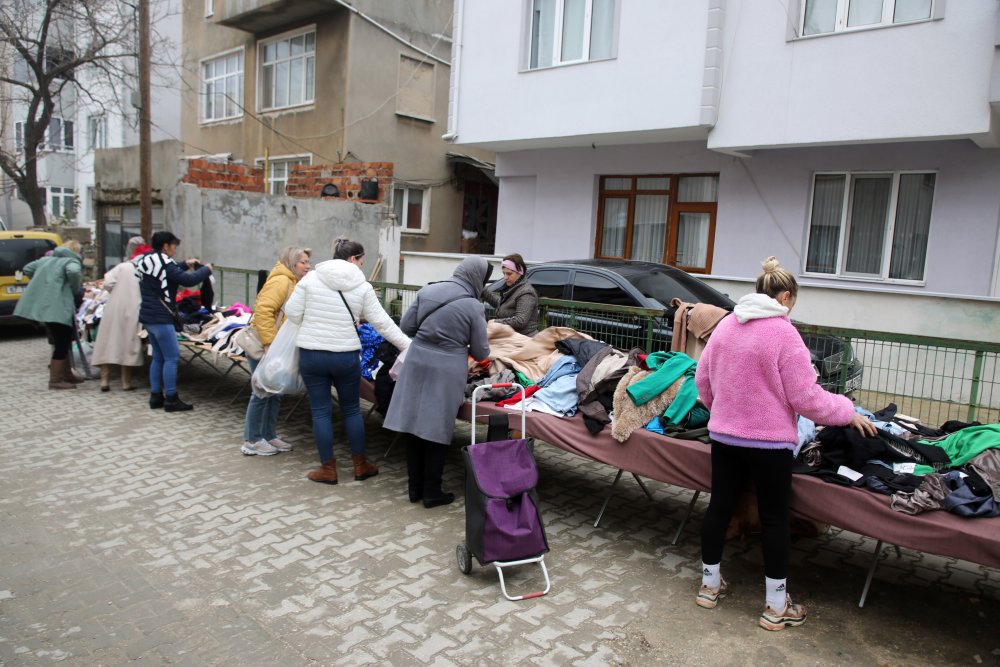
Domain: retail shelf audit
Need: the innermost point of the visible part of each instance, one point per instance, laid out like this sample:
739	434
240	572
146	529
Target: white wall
922	80
548	203
655	82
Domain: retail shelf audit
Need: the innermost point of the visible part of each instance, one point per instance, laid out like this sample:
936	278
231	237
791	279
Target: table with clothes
638	413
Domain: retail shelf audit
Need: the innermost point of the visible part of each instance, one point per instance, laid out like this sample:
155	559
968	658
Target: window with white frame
209	8
60	135
826	16
870	225
222	87
62	202
19	136
287	71
97	131
570	31
278	170
411	206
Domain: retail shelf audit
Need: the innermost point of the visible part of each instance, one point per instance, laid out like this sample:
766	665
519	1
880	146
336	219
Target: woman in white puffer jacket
327	304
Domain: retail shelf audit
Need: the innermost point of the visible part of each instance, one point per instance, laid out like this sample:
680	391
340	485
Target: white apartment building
856	140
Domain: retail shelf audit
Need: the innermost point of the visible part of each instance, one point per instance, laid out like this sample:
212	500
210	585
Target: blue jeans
320	369
166	354
262	414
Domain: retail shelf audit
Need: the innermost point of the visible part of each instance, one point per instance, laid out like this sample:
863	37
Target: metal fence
933	379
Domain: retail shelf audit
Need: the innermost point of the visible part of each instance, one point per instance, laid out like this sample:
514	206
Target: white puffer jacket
325	324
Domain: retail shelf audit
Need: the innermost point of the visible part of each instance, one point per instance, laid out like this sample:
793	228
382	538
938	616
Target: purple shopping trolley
502	523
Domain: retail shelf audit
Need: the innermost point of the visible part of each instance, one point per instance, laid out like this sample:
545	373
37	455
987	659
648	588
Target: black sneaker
156	400
175	404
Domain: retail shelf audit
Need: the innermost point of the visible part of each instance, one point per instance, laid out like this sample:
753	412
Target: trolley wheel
464	559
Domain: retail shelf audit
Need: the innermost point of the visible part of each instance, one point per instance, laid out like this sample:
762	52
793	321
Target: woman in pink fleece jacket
755	376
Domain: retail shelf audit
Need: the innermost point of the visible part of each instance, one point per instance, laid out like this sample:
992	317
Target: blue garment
320	369
559	395
166	355
807	433
370	340
564	365
889	427
262	414
655	425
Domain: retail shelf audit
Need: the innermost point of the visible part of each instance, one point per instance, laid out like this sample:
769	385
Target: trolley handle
500	385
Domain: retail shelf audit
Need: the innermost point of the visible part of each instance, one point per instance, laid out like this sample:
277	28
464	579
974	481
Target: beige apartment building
282	83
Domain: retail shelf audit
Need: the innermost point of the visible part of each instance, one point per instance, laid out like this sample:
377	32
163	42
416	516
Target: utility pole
145	174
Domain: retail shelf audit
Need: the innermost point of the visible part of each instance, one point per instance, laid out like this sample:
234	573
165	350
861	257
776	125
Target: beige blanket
531	355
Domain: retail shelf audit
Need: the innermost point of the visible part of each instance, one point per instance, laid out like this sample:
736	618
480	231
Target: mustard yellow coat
267	312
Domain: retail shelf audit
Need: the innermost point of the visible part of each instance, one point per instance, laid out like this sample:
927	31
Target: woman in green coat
48	299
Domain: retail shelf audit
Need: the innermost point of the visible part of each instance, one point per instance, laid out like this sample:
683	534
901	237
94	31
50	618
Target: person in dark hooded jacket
447	324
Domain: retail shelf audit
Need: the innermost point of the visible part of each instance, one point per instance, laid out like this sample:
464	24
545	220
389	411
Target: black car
652	285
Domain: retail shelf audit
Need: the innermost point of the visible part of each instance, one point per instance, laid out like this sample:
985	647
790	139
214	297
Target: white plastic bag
278	370
397	367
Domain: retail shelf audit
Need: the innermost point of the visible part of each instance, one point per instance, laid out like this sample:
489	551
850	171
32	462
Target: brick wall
224	176
307	181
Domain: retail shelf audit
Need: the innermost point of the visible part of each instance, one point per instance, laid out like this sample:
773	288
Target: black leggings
771	472
61	337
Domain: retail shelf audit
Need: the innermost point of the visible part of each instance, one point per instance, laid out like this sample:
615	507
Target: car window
599	289
549	283
15	253
663	287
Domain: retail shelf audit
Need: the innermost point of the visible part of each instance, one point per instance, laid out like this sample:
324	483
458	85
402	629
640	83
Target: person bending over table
327	304
755	375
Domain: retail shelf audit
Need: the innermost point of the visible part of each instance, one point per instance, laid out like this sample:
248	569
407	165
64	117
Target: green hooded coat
54	281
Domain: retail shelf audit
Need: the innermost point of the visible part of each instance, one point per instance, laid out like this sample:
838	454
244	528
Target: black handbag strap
353	319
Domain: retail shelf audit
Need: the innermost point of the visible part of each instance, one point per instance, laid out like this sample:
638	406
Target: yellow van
16	250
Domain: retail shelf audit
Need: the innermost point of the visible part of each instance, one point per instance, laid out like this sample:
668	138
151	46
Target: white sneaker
280	444
260	448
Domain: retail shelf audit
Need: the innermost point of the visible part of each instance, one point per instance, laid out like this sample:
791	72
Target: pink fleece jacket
756	376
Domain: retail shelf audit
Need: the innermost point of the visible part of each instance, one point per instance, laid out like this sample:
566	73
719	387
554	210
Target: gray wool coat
431	386
517	306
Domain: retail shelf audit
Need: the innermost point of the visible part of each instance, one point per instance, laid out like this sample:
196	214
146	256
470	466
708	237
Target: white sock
775	593
711	575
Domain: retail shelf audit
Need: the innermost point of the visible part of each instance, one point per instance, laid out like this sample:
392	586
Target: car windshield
15	253
663	286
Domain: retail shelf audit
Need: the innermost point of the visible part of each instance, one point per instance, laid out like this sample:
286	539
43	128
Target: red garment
141	250
517	397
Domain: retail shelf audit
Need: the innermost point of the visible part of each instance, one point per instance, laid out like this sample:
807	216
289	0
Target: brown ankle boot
105	377
69	375
363	468
127	378
56	373
326	473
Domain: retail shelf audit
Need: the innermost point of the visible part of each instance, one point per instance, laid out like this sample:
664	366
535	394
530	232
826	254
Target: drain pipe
456	68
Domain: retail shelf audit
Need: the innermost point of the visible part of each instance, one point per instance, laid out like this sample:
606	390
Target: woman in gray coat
516	302
447	325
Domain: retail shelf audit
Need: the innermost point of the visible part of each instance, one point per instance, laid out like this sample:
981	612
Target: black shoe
443	499
416	496
156	401
175	404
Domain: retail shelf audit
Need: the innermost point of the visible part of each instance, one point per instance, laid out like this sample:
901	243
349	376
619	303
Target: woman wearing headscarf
327	304
260	436
447	325
49	300
516	302
118	341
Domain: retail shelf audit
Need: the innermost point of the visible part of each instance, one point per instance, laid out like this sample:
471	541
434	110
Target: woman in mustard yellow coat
260	436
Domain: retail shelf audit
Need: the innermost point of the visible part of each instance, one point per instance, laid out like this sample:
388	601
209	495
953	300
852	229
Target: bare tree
54	53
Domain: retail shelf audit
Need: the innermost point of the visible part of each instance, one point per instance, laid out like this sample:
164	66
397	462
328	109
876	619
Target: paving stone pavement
135	536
